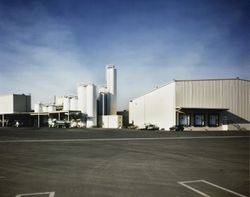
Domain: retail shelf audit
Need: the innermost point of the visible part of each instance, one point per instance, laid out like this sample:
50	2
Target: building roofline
15	94
183	80
212	79
156	88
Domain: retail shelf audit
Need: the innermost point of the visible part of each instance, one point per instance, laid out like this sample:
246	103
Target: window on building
199	120
213	120
184	119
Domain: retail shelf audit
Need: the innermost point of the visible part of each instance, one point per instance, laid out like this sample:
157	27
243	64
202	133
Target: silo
66	103
73	104
45	108
91	105
111	76
38	107
59	100
51	108
81	94
102	88
102	104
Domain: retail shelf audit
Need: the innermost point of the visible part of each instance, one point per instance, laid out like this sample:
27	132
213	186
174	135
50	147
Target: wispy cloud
45	52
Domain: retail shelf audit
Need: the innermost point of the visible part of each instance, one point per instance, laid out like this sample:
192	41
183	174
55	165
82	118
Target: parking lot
98	162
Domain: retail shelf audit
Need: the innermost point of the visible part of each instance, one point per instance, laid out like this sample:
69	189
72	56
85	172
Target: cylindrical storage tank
111	76
66	103
45	108
51	108
81	94
38	107
91	105
59	101
102	88
102	104
73	104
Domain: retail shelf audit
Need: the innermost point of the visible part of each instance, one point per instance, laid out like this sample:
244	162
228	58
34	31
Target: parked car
176	128
54	123
151	127
62	124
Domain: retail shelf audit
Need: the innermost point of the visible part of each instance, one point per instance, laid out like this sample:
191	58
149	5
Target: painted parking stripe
120	139
185	184
51	194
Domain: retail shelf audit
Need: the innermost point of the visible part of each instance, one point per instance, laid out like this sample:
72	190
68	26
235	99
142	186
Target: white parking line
51	194
121	139
184	183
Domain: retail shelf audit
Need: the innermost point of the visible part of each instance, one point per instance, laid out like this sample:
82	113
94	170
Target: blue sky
47	47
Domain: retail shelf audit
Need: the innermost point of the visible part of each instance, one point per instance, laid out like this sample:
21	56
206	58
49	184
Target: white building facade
220	104
15	103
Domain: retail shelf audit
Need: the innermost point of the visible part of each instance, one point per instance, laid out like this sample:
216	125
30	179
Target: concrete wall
156	107
6	104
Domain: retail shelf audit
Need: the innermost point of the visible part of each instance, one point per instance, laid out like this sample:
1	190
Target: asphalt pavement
106	162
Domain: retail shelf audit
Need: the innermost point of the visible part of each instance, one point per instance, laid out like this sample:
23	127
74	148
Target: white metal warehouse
209	104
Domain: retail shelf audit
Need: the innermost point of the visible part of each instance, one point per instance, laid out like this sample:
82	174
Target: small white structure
111	121
212	104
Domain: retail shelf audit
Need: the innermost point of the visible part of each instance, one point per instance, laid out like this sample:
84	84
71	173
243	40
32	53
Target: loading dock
206	104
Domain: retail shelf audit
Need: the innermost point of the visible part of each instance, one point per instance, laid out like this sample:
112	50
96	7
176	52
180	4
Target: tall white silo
111	75
81	94
73	103
38	107
66	103
91	105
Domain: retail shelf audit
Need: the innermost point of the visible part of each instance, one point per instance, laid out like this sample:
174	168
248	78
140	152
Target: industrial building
92	106
15	107
213	104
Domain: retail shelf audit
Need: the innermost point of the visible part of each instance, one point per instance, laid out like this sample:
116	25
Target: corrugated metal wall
232	94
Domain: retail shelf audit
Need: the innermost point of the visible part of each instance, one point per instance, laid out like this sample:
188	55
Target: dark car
151	127
176	128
